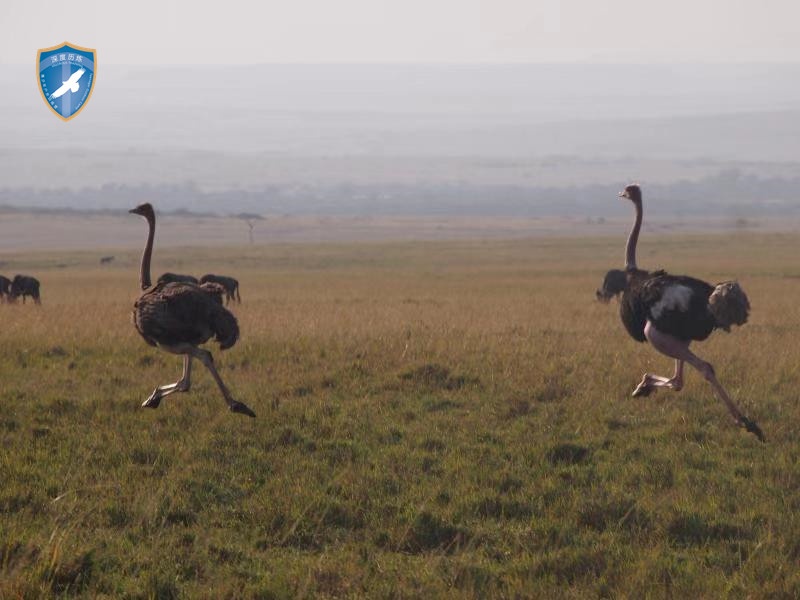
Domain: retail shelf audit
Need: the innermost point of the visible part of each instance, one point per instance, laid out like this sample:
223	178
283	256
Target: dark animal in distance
176	278
230	284
106	260
613	285
671	311
179	316
23	285
5	288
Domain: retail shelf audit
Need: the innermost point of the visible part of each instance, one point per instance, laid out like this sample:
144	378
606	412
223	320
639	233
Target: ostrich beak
623	195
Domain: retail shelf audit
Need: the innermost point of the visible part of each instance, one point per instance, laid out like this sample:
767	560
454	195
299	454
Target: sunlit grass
433	420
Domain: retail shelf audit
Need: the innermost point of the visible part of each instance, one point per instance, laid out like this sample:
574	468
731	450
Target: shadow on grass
437	377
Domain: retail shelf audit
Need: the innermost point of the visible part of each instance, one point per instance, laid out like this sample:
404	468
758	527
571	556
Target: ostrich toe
643	389
153	401
242	408
753	428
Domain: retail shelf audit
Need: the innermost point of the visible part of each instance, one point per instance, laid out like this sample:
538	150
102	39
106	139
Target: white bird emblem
70	84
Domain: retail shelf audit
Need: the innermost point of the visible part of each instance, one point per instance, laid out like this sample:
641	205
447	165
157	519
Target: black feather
613	284
175	313
643	300
631	310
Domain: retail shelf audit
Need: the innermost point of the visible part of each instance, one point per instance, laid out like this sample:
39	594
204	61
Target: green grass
434	420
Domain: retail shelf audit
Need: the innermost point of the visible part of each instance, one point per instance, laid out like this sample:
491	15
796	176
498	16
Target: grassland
434	420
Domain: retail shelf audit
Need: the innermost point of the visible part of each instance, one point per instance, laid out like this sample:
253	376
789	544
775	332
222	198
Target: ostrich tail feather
729	305
225	326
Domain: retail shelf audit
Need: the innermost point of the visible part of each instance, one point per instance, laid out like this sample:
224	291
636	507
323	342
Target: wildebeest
5	288
105	260
23	285
176	277
230	284
613	285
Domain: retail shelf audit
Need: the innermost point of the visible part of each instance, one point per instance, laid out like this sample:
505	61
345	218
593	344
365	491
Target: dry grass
433	420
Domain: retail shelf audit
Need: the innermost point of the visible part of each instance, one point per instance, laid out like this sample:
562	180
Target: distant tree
250	219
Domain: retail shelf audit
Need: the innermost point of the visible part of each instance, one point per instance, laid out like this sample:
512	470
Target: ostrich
178	317
230	284
613	285
671	311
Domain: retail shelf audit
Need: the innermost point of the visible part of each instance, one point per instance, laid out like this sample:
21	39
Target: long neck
633	238
144	273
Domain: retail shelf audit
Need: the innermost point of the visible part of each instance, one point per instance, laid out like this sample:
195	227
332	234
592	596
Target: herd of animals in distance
179	313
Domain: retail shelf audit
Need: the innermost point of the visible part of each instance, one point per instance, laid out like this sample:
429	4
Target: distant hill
370	138
730	192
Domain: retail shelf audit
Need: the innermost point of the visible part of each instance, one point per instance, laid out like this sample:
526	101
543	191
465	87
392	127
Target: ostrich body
671	311
613	285
177	317
230	284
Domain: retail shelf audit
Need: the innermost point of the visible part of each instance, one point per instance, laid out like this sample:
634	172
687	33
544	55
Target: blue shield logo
66	77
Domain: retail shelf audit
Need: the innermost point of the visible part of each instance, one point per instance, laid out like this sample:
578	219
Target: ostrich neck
633	238
144	274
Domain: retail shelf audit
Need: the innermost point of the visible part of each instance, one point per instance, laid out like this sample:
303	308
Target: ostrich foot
752	427
153	401
241	408
645	387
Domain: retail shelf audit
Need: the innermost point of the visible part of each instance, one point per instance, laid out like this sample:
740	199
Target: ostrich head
145	210
632	192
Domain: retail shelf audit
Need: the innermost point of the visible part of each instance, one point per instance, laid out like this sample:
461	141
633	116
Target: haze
362	108
154	32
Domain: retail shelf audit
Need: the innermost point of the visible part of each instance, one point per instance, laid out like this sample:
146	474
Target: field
435	419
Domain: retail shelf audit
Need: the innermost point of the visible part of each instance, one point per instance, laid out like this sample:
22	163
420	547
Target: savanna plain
435	419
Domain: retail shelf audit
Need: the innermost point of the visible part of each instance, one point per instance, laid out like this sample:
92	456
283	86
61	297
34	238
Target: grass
434	420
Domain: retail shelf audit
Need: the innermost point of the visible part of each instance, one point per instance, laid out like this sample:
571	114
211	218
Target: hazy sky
247	31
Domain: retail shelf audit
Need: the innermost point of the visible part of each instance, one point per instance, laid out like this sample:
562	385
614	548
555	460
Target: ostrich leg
182	385
205	357
649	381
679	350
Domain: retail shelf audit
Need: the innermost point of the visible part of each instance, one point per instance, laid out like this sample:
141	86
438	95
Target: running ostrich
177	317
671	311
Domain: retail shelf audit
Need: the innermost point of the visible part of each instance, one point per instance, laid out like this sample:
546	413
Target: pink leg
649	382
182	385
235	406
679	350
